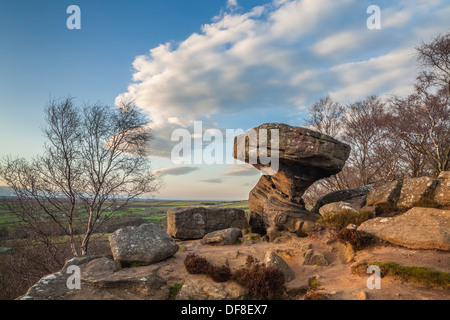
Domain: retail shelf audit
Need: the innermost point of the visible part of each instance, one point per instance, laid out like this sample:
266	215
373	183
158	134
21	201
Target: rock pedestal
303	156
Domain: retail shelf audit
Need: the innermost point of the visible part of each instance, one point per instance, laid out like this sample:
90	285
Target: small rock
363	295
352	227
315	258
272	259
222	237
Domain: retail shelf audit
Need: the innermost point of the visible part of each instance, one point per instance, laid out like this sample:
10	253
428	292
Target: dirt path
336	280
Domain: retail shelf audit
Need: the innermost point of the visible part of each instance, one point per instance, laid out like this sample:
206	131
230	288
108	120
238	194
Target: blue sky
231	64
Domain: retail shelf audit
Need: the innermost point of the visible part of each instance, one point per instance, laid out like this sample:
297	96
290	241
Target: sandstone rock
195	223
363	295
145	244
414	190
418	228
334	207
313	258
99	268
97	283
384	197
222	237
442	192
304	156
346	252
274	260
355	195
201	287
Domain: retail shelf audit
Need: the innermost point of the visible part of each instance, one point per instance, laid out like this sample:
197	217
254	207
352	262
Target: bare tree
95	162
434	61
325	116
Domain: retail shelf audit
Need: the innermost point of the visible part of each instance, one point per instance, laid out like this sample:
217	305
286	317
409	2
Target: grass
416	274
342	218
152	211
174	289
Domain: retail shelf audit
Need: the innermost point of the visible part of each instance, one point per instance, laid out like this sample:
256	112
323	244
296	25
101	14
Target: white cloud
241	170
232	3
283	55
175	171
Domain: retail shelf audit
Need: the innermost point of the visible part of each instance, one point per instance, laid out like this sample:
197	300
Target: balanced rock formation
300	158
145	244
195	223
418	228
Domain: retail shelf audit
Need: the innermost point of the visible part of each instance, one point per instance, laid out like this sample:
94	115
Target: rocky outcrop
355	197
303	156
222	237
200	287
415	190
145	244
100	279
195	223
441	194
418	228
384	197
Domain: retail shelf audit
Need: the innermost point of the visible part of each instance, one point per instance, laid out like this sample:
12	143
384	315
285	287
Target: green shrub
342	218
174	289
417	274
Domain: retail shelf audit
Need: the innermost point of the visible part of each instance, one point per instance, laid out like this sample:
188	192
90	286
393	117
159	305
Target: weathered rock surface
200	287
145	244
384	197
315	258
334	207
355	196
274	260
414	190
100	279
303	156
418	228
222	237
195	223
441	194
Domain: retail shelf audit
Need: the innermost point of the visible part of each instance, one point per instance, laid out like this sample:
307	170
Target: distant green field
151	211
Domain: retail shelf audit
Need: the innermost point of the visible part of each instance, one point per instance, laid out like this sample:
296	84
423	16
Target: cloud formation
282	55
175	171
241	170
212	180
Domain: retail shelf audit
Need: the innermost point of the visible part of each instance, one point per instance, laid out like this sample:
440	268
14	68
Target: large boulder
195	223
355	197
414	190
441	194
418	228
144	245
301	157
384	197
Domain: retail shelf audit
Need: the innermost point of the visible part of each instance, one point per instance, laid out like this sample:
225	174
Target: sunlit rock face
291	159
